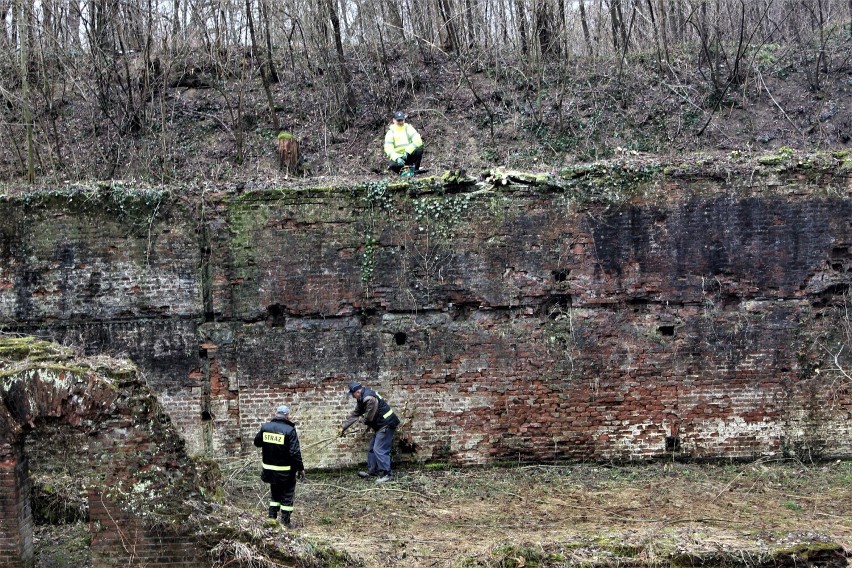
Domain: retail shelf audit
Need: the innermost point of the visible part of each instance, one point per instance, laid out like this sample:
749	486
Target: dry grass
569	515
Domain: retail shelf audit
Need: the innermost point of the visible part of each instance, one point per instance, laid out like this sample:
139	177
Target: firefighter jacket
282	455
401	139
375	412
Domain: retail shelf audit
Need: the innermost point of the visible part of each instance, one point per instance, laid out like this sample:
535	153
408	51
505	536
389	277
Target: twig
382	488
325	441
761	461
726	487
243	465
762	82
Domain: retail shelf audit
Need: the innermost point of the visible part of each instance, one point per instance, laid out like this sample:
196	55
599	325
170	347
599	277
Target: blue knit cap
282	410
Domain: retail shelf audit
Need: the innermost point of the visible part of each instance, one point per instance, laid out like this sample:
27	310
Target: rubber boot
273	512
285	519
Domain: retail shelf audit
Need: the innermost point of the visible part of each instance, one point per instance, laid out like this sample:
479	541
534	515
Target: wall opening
276	315
94	434
560	275
57	479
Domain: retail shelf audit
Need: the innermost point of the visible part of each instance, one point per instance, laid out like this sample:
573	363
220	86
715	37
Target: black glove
300	475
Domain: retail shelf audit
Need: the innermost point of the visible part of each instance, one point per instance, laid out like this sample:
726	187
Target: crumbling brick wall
16	519
516	325
141	478
598	315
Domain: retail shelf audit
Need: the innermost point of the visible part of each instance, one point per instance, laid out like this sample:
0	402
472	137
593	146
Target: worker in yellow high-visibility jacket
403	145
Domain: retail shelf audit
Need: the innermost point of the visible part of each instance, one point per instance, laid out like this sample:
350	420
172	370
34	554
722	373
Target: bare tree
816	11
24	12
120	61
545	29
521	16
447	26
343	89
584	21
258	54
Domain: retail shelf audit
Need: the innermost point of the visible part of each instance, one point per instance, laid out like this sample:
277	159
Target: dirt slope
471	116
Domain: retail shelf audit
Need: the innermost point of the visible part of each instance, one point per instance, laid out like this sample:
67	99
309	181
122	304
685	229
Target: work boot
285	520
272	518
364	474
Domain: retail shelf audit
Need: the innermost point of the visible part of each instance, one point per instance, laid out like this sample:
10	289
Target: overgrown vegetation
187	91
662	514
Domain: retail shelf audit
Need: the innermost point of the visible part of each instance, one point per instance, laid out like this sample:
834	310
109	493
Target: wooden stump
288	153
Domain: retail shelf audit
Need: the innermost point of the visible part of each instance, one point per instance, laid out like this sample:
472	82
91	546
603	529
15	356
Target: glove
340	432
300	475
400	161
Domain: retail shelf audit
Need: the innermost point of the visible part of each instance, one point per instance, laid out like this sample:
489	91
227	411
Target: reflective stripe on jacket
384	415
401	140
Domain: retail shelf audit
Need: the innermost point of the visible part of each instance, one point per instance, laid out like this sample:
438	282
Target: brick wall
120	539
142	485
16	519
110	273
515	325
501	321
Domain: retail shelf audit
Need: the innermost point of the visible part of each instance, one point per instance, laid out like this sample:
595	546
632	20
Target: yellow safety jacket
401	139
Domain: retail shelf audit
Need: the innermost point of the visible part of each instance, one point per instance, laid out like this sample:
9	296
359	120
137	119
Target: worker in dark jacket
374	412
282	463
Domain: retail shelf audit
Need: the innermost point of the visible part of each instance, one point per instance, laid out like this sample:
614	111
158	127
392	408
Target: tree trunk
449	39
264	78
175	24
544	29
23	35
677	20
615	25
395	19
656	31
271	70
585	23
347	107
522	26
470	24
622	26
6	36
663	24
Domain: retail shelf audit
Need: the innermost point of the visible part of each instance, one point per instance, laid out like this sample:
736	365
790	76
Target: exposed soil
569	515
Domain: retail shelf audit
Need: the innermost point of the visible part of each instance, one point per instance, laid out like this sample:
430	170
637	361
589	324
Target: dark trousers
413	159
282	494
379	454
